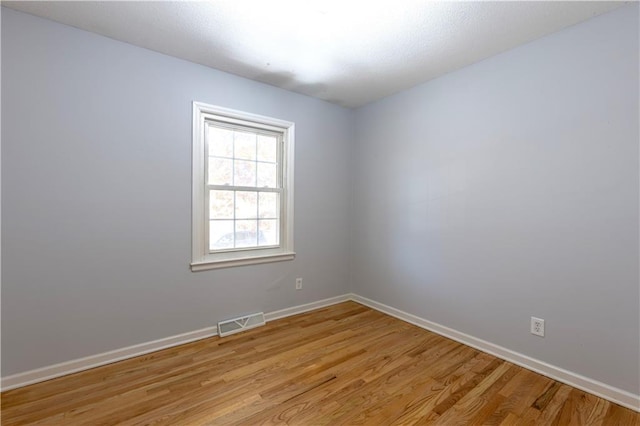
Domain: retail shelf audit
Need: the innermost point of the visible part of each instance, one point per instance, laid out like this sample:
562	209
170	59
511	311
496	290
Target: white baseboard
81	364
92	361
586	384
287	312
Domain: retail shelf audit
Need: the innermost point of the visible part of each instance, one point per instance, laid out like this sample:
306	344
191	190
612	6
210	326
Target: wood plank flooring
345	364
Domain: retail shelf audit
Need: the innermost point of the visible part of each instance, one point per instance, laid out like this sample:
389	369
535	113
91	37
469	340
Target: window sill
241	261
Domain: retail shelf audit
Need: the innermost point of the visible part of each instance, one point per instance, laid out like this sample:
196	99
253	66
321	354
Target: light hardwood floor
345	364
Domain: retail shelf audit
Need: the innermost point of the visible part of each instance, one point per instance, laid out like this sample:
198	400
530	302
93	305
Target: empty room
320	213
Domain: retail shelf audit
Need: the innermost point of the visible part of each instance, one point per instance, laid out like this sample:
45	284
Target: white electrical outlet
537	326
298	283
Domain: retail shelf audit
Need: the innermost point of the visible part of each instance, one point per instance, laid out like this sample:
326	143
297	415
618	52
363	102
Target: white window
242	188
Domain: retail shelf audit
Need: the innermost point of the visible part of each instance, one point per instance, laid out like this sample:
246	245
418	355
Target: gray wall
509	189
96	196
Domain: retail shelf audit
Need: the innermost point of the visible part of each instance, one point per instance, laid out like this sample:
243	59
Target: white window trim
201	259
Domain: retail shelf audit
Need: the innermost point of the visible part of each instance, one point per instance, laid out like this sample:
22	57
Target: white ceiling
349	52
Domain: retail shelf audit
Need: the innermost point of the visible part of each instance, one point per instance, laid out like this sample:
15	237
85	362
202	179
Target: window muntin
242	188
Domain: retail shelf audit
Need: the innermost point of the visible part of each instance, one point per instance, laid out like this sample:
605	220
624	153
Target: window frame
201	257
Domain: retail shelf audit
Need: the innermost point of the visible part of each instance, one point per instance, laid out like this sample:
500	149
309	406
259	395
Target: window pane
269	232
246	205
220	142
220	171
246	233
267	175
220	204
245	145
267	148
220	234
244	173
268	206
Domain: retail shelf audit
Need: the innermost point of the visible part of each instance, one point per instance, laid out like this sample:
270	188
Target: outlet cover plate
537	326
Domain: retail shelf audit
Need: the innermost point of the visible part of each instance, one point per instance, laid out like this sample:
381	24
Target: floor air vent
236	325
